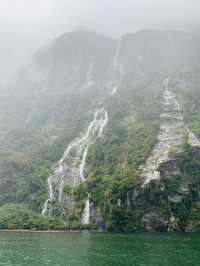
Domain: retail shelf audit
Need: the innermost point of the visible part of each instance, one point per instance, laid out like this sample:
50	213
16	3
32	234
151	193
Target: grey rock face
154	222
175	198
170	137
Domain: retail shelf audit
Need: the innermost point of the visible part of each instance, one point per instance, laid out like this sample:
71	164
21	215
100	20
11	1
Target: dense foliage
52	102
115	159
19	217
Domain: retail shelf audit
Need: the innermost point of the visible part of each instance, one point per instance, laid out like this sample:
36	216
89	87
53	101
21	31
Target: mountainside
105	133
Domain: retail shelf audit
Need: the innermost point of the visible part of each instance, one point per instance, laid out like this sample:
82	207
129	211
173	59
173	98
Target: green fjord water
98	249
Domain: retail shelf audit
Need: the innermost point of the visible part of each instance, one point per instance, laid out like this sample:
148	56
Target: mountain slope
52	101
80	122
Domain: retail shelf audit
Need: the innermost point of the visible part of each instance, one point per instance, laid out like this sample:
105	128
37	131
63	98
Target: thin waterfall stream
117	70
70	169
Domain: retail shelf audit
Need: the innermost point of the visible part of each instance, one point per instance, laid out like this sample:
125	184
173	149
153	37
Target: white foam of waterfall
103	123
117	55
170	136
48	201
114	90
45	207
192	139
70	168
50	189
117	70
82	166
86	212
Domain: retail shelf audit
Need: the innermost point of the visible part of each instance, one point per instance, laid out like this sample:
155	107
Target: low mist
27	25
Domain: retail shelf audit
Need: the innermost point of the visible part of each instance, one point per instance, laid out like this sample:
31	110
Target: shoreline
49	231
91	231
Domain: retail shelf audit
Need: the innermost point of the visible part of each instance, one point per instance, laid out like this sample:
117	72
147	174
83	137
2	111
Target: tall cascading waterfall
115	87
170	136
117	70
71	167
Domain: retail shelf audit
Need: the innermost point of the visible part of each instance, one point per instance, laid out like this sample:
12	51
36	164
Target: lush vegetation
114	161
19	217
52	102
186	85
47	106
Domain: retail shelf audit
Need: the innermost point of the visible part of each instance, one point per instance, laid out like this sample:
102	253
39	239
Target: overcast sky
26	25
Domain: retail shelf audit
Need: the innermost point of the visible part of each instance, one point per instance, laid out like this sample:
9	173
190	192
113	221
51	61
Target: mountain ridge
52	104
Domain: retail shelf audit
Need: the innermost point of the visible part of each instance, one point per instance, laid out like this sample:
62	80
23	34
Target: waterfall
86	212
48	201
101	119
71	167
192	139
117	70
103	123
169	139
170	136
82	166
117	55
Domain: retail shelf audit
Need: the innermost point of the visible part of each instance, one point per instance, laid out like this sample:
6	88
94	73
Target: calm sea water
98	249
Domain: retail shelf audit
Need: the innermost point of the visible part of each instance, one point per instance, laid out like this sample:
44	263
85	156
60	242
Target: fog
27	25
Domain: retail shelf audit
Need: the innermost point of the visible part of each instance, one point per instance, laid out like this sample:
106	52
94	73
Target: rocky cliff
92	135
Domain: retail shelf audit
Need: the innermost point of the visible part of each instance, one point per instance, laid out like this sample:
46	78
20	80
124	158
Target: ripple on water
93	249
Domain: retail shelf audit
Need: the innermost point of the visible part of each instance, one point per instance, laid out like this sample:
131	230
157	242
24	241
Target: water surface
98	249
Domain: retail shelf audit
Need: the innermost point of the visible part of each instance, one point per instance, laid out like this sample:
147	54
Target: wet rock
190	228
96	218
173	224
184	188
169	139
154	222
175	198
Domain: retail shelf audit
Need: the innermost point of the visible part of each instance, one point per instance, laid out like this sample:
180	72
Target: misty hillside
156	51
105	133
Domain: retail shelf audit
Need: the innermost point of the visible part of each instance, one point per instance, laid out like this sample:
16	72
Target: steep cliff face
92	135
167	176
50	104
170	138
